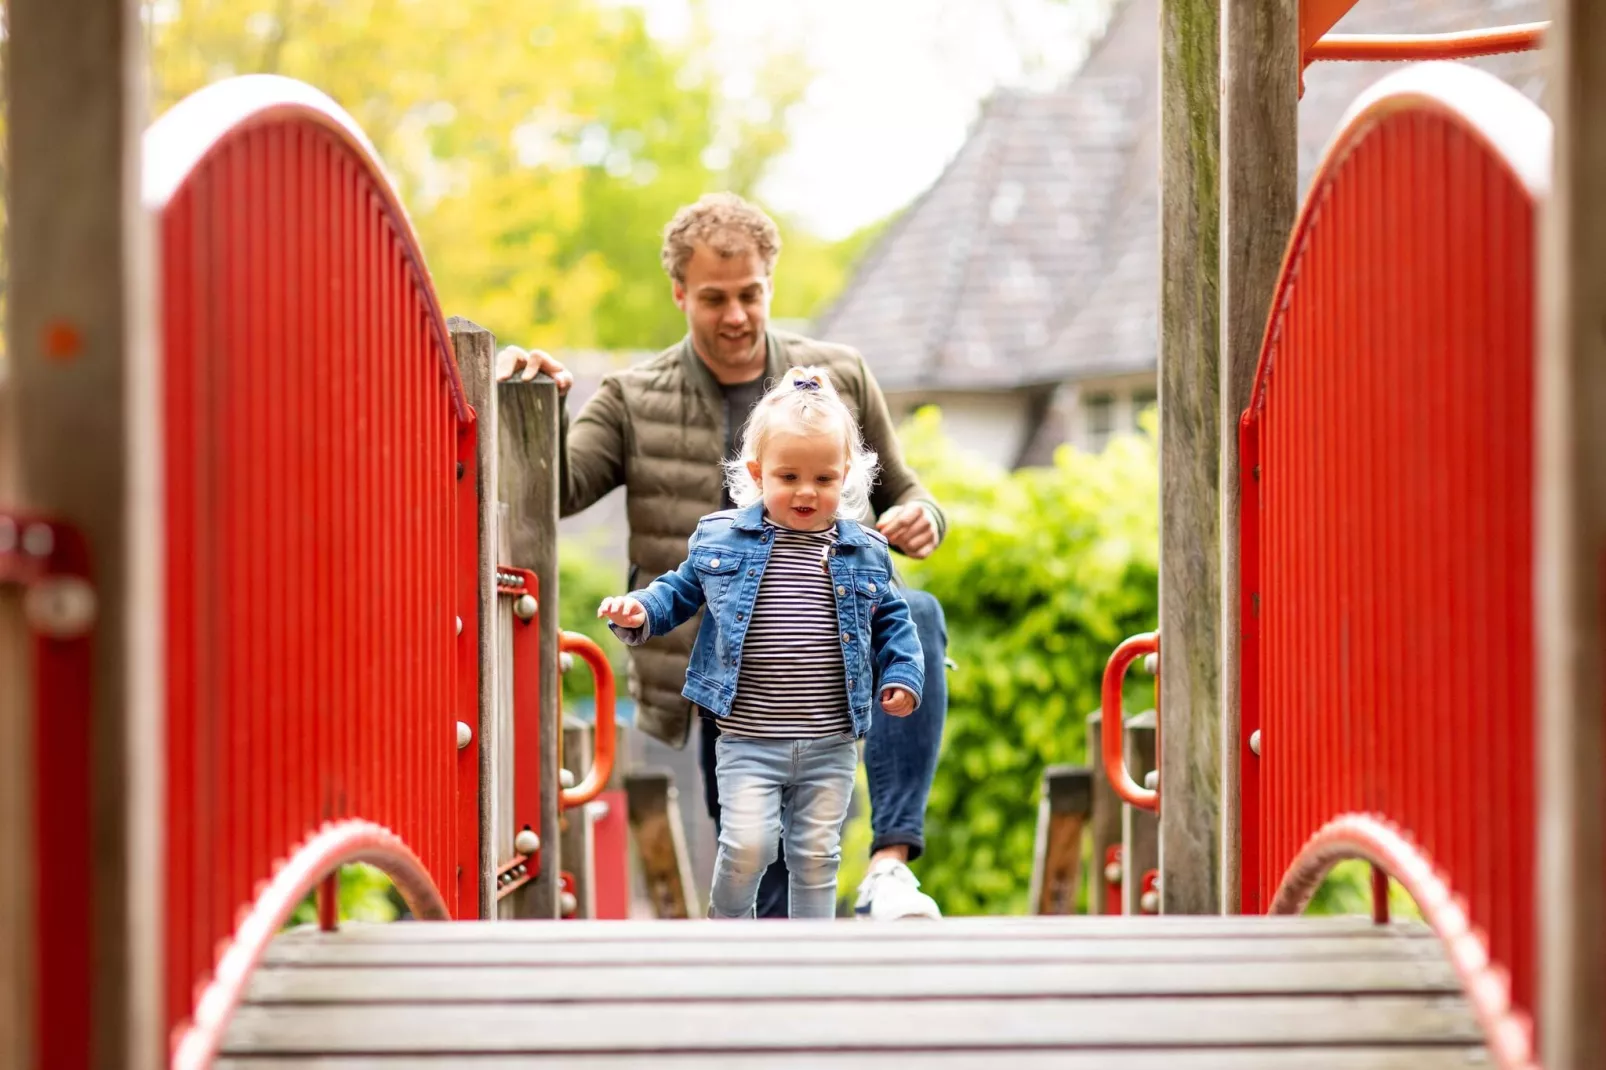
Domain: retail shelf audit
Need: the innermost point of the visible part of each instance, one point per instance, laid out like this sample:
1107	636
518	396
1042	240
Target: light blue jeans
792	791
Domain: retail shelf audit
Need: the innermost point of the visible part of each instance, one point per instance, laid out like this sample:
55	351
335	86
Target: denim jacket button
713	562
840	591
847	637
752	572
872	588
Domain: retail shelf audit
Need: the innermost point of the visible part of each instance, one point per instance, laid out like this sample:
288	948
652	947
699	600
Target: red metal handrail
1113	735
1508	1031
1391	48
603	742
334	846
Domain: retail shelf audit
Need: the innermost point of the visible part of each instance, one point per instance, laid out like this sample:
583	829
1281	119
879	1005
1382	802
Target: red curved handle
1113	733
603	743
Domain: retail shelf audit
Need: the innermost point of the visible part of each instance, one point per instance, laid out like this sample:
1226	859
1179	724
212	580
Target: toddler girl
802	621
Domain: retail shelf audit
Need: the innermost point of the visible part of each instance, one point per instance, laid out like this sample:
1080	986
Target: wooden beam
1106	823
475	350
81	341
528	476
1259	200
1190	417
1570	547
1062	816
1140	830
661	843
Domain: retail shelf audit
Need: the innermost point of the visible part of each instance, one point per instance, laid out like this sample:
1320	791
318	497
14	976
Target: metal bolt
60	607
465	735
527	842
1149	902
566	777
565	661
8	534
568	903
1254	742
1151	663
525	607
459	469
38	540
1112	873
458	622
1151	779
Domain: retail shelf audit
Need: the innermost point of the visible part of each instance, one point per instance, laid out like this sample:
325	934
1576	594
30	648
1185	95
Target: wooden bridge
277	586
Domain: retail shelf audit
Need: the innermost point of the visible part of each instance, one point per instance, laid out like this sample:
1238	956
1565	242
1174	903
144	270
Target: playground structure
275	595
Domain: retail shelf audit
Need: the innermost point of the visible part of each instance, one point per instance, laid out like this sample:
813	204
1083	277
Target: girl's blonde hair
804	402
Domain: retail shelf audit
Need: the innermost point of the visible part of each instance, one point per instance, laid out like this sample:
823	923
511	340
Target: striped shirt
791	684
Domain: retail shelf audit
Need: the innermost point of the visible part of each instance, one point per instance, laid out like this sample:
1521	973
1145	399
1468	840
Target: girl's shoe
890	892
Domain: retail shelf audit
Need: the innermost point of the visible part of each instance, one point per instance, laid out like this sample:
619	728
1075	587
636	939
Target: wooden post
1570	547
661	843
1062	813
574	841
528	473
1259	199
1141	846
1106	822
476	354
85	450
1190	417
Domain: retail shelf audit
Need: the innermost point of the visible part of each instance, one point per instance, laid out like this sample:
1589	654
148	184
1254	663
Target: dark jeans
900	758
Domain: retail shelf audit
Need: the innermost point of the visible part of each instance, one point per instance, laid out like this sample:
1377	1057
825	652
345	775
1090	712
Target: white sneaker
891	892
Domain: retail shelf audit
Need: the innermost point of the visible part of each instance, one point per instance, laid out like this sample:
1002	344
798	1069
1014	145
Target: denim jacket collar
848	532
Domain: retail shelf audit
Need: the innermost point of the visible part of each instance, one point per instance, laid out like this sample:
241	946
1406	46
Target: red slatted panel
321	543
1387	535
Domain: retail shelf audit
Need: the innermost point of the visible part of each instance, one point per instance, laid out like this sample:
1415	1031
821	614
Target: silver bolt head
38	540
457	622
1151	663
1254	742
568	903
566	777
524	608
465	735
60	607
1149	902
565	661
1112	873
1151	779
527	842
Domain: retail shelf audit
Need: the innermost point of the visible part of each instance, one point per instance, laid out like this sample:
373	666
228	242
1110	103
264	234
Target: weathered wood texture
528	472
81	346
475	350
1105	824
1259	199
1571	549
1140	829
17	950
1399	1058
1062	815
661	843
575	842
1123	989
1190	417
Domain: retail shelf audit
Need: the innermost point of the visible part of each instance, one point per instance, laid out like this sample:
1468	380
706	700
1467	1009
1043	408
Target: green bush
584	580
1044	571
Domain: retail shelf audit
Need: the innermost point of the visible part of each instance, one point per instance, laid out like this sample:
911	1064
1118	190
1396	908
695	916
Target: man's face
727	304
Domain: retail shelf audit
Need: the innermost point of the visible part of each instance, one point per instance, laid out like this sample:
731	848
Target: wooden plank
17	882
574	838
849	1024
528	473
1062	814
475	350
81	342
1570	548
1106	821
337	984
1190	414
1259	199
1140	829
1100	927
1351	1058
661	843
915	956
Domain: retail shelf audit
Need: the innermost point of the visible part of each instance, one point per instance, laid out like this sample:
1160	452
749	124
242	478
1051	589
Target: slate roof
1034	258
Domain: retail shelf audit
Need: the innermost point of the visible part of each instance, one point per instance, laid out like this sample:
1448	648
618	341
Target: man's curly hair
727	224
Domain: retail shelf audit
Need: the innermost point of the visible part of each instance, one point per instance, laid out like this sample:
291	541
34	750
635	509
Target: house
1020	292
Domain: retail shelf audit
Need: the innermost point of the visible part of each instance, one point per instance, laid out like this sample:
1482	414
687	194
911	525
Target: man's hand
623	611
897	702
910	528
522	365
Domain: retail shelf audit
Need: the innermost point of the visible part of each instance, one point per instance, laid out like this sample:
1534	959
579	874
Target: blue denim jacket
725	561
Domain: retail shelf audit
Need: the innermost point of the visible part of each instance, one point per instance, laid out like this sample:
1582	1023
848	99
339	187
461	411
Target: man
663	428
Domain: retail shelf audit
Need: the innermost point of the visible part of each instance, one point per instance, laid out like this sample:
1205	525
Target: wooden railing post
83	437
528	476
1140	829
661	843
1062	815
476	354
1570	548
1105	825
574	842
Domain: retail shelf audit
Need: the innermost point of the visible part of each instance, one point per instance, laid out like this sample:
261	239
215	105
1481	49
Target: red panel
1388	538
321	537
610	873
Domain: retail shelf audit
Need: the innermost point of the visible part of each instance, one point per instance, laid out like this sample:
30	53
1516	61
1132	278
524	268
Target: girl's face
801	479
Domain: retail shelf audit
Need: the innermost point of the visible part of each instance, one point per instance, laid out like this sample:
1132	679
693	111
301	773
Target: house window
1098	416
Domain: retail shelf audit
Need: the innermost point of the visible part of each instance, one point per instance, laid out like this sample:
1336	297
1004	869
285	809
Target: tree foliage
1043	572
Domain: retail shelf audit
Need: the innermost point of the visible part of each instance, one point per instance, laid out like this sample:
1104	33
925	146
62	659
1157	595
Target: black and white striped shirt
791	684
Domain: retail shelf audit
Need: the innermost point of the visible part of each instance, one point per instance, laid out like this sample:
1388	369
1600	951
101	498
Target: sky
896	85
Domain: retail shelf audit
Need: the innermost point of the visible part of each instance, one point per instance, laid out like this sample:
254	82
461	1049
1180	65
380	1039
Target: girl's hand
897	702
624	611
